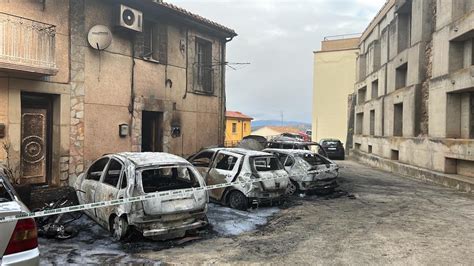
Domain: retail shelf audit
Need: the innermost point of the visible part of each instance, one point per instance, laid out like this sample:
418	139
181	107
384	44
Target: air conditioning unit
130	18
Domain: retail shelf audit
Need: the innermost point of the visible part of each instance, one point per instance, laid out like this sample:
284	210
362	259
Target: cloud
278	38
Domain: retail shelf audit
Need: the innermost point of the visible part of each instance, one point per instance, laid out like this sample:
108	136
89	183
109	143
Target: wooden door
34	144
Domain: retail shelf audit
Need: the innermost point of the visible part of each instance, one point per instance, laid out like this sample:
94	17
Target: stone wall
78	47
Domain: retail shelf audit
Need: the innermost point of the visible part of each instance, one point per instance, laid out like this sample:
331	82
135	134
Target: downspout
187	55
222	105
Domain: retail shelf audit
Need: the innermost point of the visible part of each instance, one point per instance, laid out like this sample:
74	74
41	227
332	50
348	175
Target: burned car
308	170
225	165
123	175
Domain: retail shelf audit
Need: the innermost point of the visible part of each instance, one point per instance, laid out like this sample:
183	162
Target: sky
277	38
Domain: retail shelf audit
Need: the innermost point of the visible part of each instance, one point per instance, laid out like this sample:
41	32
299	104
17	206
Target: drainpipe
222	104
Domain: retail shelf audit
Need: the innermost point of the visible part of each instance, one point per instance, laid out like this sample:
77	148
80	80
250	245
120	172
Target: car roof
151	158
330	140
240	151
290	151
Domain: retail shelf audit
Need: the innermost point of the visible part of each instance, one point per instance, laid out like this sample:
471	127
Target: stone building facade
414	110
65	103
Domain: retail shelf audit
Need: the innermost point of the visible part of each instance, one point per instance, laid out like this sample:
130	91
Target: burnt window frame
106	173
154	32
94	164
203	74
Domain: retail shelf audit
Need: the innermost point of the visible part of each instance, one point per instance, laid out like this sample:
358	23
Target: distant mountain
263	123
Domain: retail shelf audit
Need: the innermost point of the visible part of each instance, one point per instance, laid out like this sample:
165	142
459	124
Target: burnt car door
225	169
90	182
202	161
108	188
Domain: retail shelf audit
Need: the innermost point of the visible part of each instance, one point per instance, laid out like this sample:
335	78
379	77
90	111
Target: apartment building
334	74
414	112
81	78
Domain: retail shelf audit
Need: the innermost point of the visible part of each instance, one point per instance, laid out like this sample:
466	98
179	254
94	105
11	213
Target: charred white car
225	165
308	170
125	175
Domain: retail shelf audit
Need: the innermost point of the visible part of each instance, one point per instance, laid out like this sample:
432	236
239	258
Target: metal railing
27	42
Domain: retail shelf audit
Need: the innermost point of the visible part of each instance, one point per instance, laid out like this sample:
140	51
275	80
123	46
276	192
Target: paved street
391	220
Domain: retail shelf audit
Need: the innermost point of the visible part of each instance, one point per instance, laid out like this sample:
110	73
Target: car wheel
291	189
120	228
237	200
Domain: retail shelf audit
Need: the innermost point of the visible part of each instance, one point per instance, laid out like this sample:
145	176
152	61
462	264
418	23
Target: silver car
18	239
226	165
124	175
308	170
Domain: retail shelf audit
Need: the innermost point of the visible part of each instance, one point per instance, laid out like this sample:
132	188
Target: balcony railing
27	45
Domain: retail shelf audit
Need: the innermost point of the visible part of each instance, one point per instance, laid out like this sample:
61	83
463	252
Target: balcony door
35	138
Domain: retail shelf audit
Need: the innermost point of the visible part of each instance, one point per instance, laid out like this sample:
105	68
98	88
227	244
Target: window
168	178
113	173
471	107
313	159
155	41
359	123
124	180
234	128
404	30
375	89
263	164
245	127
361	96
225	162
5	194
203	159
401	76
394	155
95	171
204	66
372	122
286	160
398	119
370	149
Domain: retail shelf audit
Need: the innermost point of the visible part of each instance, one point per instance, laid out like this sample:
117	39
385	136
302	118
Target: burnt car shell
124	175
242	165
308	170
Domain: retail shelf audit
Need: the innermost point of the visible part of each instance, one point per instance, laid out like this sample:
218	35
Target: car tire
120	228
237	200
292	188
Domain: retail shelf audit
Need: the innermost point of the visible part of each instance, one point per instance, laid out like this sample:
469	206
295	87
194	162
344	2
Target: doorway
35	154
152	131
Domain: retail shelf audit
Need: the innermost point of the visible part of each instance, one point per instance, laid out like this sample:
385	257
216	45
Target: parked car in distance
292	144
18	239
333	148
225	165
308	170
123	175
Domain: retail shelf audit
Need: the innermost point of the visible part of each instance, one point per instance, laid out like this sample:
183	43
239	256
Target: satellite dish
99	37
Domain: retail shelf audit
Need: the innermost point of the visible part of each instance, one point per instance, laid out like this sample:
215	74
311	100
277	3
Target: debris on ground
227	222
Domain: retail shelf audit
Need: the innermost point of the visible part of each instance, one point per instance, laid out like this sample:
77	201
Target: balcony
27	46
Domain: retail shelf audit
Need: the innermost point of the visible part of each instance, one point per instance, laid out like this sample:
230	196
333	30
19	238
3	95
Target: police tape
164	195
